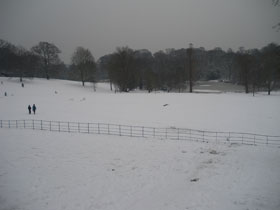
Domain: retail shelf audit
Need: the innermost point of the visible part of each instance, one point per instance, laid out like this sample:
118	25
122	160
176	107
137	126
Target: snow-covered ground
69	101
40	170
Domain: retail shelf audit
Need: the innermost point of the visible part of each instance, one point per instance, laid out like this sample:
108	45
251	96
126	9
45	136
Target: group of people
33	109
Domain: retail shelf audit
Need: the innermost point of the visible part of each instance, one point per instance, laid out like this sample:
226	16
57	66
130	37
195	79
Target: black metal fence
145	132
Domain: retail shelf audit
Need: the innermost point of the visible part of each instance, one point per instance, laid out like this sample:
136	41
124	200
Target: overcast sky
103	25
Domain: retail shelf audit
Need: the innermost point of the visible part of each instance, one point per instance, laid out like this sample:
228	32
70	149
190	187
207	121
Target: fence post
202	136
78	127
108	129
88	127
33	124
41	124
98	128
68	127
9	124
120	131
266	140
1	123
23	123
50	125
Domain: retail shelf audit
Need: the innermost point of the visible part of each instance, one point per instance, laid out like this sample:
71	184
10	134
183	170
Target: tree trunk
47	70
253	88
190	70
246	82
246	88
269	87
83	77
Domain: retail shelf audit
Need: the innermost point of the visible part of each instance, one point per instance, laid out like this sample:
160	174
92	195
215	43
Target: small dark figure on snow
22	85
34	108
29	109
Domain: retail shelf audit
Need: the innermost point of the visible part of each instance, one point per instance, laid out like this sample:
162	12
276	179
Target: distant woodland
127	69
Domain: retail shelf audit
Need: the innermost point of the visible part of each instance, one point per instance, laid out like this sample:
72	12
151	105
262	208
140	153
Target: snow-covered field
40	170
69	101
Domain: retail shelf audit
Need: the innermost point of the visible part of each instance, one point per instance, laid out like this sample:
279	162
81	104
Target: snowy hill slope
41	170
69	101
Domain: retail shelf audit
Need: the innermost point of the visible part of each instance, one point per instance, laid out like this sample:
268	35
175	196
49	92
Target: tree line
43	61
127	69
177	69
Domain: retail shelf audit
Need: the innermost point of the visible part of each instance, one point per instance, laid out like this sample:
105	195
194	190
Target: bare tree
49	55
122	69
7	56
20	61
276	2
83	60
243	59
190	52
104	64
271	63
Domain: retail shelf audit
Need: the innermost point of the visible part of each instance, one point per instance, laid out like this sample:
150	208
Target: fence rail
145	132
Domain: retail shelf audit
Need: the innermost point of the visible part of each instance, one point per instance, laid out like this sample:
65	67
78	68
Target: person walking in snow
29	109
34	108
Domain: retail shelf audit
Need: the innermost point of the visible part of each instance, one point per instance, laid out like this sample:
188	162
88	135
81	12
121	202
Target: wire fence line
145	132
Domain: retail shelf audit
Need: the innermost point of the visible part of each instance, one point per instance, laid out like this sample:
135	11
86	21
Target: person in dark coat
29	109
34	108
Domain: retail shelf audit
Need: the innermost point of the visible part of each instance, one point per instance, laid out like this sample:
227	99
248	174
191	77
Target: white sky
103	25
